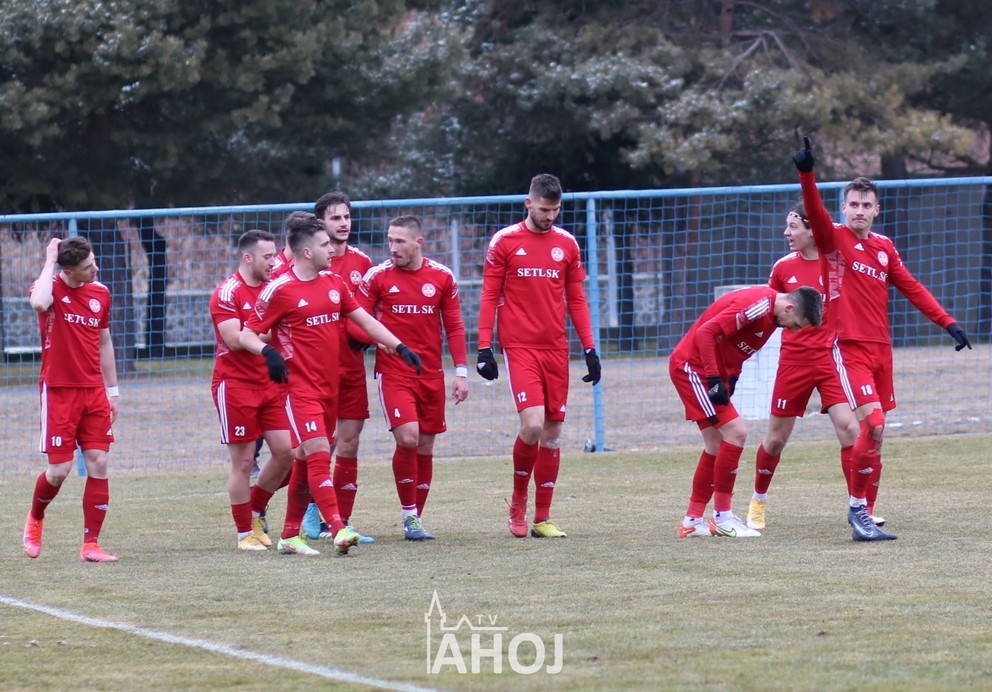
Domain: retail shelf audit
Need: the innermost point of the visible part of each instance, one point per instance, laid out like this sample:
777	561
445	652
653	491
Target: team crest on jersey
428	290
883	258
557	254
95	305
334	295
356	277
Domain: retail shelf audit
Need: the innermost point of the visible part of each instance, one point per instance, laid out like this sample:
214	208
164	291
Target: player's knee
774	444
97	467
406	437
734	432
55	474
530	433
848	433
551	443
874	424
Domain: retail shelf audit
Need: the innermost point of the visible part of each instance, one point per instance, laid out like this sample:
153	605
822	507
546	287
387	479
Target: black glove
409	357
716	390
277	366
958	335
487	364
732	384
356	345
594	366
803	158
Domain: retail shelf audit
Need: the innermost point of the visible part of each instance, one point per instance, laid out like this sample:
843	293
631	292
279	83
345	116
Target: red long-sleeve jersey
416	305
862	269
788	274
729	331
528	280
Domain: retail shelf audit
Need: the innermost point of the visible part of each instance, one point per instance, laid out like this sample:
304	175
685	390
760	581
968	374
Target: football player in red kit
78	388
248	405
705	366
416	298
303	309
805	363
865	265
532	275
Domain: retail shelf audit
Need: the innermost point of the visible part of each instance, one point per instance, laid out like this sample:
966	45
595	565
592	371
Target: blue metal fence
655	259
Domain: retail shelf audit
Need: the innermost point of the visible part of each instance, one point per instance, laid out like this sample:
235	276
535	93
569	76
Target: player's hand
487	366
52	251
732	384
594	366
277	366
803	158
409	357
958	335
716	390
459	389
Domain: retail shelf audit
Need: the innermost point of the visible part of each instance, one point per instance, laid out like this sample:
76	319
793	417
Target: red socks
425	474
728	458
260	498
405	476
322	489
524	458
44	493
346	484
702	485
297	499
96	497
764	469
545	477
846	464
242	517
871	492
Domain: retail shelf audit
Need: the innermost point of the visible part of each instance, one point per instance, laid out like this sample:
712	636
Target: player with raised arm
705	366
805	363
78	388
416	298
864	265
532	275
351	264
248	404
303	309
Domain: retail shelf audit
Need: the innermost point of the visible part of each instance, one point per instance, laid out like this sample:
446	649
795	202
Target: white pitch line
255	657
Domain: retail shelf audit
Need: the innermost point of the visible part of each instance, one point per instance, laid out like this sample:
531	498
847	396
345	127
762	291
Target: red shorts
311	416
691	387
247	410
413	399
72	416
794	384
353	396
865	370
538	378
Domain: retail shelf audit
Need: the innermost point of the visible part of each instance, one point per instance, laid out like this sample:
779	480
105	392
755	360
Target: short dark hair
407	221
249	239
301	226
545	186
74	251
809	304
800	211
330	199
861	184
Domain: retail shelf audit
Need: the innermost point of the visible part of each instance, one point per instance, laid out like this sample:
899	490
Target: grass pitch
802	607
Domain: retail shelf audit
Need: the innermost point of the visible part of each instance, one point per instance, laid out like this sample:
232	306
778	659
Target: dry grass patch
802	607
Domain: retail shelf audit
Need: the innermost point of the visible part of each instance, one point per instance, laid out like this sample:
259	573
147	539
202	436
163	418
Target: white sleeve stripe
758	309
